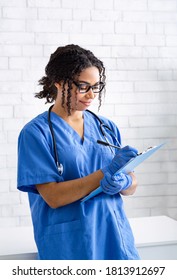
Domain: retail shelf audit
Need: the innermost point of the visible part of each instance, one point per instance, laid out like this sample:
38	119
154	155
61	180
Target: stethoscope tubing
58	164
102	127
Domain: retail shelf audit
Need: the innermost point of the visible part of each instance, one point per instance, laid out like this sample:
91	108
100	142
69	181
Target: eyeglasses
84	87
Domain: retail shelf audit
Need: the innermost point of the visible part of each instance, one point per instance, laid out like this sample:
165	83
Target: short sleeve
36	164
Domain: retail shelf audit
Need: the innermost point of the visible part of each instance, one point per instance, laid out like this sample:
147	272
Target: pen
107	144
117	147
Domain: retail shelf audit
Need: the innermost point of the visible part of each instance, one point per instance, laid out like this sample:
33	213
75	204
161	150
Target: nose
90	94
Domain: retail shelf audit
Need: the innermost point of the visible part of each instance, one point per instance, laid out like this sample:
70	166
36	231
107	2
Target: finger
129	148
129	154
124	153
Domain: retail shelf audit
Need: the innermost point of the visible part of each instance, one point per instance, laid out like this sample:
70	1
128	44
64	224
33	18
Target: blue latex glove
120	159
114	184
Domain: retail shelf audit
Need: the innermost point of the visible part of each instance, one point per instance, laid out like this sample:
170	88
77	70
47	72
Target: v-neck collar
68	128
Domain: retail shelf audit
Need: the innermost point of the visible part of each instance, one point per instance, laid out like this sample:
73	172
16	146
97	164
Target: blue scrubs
94	230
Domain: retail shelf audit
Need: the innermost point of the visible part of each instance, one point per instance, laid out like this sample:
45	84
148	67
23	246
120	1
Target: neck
60	111
75	120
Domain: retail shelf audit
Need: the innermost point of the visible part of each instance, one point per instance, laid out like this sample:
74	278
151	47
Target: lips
86	103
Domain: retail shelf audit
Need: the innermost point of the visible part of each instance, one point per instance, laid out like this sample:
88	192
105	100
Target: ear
58	85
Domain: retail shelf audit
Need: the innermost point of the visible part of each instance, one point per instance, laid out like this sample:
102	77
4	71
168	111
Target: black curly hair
66	64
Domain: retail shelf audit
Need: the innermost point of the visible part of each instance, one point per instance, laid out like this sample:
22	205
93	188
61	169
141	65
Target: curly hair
66	64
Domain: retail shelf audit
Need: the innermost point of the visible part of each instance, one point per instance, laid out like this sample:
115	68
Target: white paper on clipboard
128	167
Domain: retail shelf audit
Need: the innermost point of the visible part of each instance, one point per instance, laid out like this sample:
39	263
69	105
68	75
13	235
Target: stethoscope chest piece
60	168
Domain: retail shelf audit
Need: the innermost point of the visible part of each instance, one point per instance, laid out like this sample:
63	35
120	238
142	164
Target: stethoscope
103	128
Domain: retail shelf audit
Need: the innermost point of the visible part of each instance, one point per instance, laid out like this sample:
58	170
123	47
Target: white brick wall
137	41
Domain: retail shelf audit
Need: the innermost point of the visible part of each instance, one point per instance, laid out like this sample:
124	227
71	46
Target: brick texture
137	41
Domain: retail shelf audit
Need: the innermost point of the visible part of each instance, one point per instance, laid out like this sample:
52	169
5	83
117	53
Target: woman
64	226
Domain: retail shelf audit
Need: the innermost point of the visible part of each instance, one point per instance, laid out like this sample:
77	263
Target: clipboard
128	167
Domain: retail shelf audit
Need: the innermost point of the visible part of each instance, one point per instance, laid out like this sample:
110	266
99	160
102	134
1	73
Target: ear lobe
58	85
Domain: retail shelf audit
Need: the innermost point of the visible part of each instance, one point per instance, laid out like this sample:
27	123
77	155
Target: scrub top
96	229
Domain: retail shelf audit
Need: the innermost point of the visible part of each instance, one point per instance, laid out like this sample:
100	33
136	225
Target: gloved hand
114	184
121	158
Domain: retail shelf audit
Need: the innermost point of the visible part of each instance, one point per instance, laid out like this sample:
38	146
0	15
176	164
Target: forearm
62	193
131	190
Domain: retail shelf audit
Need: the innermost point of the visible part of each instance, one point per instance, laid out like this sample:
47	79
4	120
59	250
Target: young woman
60	162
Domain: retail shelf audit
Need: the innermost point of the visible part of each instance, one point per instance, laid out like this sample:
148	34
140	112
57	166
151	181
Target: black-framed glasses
85	87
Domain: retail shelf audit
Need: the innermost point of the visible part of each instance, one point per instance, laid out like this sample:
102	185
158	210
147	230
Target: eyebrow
84	82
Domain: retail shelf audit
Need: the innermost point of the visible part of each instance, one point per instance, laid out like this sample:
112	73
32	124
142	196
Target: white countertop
148	231
155	230
17	240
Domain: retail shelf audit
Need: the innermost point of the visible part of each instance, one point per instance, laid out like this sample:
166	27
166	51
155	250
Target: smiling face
81	93
88	77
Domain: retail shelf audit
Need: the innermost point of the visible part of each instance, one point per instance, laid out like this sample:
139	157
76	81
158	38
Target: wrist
110	184
106	169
